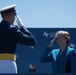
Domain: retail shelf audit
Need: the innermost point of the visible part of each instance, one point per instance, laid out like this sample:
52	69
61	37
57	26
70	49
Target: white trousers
8	66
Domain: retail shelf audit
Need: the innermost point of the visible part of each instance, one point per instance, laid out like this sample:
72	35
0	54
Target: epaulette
11	26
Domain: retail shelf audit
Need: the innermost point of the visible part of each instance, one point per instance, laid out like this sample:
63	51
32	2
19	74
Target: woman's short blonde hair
64	33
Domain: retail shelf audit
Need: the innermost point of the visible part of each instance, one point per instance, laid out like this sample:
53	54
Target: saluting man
10	35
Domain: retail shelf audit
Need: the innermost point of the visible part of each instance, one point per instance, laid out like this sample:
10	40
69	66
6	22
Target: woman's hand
52	42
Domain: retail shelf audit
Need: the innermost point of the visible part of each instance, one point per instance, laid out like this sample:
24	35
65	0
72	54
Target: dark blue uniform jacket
10	35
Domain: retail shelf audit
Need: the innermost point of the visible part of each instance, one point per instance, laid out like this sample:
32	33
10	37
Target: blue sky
45	13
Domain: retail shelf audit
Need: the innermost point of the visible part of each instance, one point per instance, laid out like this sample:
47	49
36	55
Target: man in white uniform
10	35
